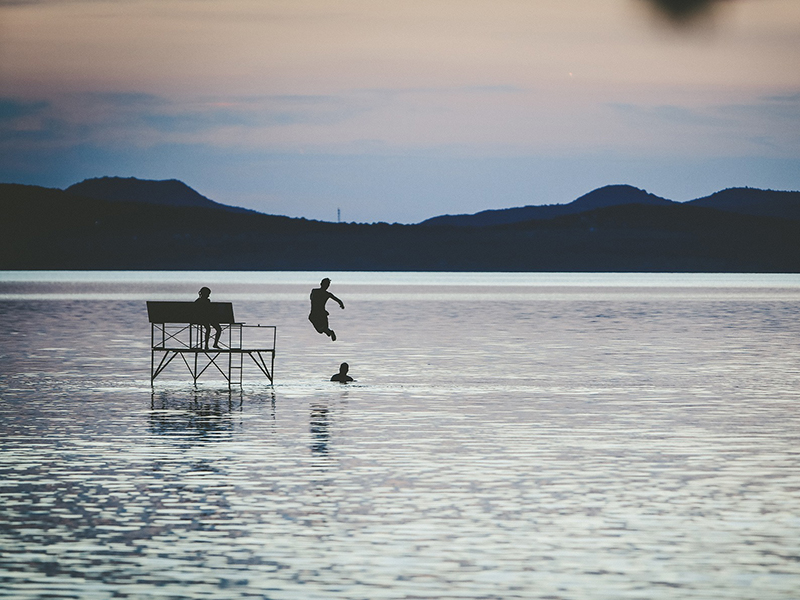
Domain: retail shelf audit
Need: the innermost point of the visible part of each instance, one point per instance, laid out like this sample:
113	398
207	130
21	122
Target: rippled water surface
508	436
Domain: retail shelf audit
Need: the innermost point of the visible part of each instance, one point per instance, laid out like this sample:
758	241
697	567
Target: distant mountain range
117	223
744	201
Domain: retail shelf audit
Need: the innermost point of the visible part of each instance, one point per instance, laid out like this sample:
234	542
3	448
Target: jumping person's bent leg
320	322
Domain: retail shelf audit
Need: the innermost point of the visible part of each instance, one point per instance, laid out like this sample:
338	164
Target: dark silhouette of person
318	315
204	314
342	376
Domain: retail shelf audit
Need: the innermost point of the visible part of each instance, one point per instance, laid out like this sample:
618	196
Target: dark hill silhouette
615	195
53	229
610	195
743	201
639	237
749	201
169	192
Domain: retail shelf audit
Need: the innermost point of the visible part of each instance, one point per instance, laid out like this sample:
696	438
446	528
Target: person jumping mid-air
318	315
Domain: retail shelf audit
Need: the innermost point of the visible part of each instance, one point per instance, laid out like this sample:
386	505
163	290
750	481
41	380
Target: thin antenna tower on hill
338	215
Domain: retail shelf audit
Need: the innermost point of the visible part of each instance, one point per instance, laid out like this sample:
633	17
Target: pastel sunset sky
400	110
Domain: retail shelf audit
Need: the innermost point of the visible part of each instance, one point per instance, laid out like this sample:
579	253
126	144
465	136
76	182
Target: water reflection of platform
198	413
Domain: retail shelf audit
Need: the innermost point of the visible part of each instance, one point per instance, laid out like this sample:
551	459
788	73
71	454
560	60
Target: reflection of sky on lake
588	441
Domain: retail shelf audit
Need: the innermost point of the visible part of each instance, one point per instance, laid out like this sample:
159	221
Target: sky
401	110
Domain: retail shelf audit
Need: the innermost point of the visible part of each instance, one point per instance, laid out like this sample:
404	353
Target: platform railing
187	342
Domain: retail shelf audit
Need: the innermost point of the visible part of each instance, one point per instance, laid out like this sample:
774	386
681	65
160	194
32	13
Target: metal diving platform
175	333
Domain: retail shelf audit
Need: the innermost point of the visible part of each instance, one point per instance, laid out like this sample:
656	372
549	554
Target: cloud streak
12	109
134	116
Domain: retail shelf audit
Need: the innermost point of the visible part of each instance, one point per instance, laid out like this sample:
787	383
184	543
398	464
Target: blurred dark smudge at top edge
684	12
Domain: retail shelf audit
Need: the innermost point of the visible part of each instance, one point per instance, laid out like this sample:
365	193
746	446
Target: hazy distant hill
749	201
743	201
53	229
610	195
170	192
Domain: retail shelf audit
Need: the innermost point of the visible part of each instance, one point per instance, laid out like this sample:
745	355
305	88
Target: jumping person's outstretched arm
332	297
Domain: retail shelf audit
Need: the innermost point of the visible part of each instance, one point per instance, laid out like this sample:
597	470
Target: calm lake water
560	436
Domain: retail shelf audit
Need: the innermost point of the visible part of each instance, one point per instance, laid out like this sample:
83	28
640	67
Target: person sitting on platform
342	376
205	316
